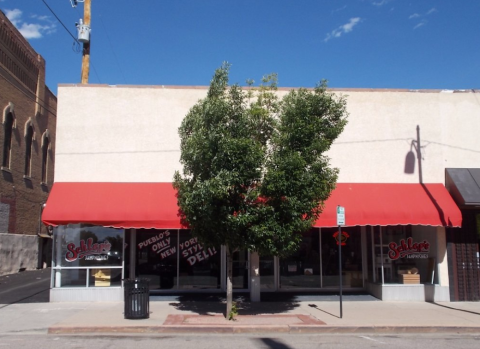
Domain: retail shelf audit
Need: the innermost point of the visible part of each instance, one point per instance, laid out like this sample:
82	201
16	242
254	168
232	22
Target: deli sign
408	249
87	248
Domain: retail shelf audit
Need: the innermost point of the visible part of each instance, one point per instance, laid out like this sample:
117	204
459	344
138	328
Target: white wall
130	133
382	125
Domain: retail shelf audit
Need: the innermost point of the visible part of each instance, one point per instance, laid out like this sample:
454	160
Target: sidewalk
301	315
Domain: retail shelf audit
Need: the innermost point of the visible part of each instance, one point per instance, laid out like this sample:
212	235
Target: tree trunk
229	282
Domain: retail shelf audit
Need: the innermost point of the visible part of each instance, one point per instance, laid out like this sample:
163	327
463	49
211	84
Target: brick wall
23	94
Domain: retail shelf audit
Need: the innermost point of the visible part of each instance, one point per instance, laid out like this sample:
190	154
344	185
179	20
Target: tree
254	171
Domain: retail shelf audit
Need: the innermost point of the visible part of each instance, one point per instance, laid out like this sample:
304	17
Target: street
213	341
30	286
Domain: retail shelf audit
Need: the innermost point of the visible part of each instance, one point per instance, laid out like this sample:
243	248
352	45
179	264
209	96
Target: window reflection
157	257
302	269
82	251
199	265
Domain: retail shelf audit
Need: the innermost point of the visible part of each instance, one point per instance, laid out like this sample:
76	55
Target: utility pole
87	14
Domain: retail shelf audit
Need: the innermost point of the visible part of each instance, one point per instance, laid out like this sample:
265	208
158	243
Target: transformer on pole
83	32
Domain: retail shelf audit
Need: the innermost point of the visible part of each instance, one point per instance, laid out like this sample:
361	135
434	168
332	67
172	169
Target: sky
417	44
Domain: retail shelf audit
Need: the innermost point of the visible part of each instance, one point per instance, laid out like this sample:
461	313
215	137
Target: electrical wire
95	71
29	96
76	44
113	51
58	19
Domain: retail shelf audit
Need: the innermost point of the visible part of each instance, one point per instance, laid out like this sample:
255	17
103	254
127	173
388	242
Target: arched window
28	148
8	125
45	145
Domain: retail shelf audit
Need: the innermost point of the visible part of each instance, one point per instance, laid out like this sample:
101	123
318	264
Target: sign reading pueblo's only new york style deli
190	249
408	249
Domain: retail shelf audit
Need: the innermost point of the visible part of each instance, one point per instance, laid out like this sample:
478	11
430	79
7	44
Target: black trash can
136	298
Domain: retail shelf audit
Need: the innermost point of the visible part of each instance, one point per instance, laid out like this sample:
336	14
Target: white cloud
340	9
423	21
30	30
381	2
13	15
343	29
42	18
349	26
421	24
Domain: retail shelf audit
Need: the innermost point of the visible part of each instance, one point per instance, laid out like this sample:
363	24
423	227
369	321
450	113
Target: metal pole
340	265
381	256
419	155
86	45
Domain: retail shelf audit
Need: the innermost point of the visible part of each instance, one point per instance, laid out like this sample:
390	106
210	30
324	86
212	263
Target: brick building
28	114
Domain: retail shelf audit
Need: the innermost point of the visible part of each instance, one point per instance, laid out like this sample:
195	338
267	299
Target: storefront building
115	214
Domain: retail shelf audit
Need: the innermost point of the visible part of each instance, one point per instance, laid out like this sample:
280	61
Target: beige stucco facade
129	133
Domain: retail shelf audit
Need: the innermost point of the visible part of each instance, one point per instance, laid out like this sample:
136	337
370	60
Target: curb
293	329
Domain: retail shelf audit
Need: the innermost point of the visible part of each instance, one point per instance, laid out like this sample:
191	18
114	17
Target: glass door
267	273
239	270
350	238
302	269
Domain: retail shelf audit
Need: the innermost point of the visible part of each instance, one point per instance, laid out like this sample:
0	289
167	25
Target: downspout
40	240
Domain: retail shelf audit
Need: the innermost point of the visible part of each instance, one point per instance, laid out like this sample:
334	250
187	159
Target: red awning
118	205
391	204
154	205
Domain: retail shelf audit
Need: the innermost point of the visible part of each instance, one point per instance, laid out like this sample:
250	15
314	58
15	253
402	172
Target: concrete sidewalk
301	315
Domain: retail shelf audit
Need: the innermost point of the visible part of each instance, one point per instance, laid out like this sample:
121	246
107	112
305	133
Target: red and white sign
408	249
342	239
87	248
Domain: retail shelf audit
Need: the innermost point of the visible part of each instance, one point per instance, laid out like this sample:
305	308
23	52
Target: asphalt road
220	341
30	286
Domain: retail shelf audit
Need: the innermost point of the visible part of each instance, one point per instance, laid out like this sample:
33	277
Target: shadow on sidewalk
323	311
271	302
445	306
209	304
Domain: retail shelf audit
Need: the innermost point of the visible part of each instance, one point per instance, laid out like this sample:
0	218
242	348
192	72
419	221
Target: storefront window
302	269
316	264
87	256
350	240
199	265
405	254
157	252
477	218
239	270
173	259
267	273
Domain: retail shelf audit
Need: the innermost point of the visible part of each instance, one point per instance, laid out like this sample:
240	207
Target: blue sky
417	44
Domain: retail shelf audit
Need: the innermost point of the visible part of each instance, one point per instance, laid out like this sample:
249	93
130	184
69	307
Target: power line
30	95
74	38
111	47
58	19
95	71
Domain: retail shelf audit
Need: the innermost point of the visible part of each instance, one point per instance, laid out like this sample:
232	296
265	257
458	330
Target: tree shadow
216	304
273	343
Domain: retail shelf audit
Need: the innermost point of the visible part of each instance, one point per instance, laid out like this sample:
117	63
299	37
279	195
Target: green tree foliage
254	170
